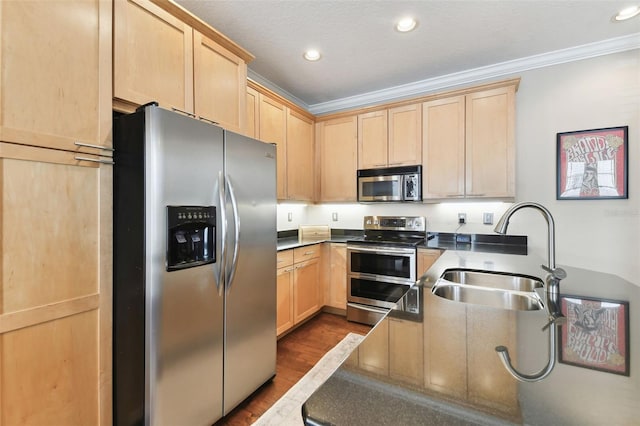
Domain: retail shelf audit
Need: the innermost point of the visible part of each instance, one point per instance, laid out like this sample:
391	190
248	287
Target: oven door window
363	290
388	265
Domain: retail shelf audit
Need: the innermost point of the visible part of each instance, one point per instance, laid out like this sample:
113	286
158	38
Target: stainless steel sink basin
492	279
498	290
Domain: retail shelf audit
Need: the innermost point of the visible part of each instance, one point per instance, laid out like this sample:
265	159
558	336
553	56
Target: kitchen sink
498	290
497	280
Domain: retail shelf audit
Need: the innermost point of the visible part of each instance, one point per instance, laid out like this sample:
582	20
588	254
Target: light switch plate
334	216
487	218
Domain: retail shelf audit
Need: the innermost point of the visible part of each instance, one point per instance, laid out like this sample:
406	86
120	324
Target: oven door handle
380	250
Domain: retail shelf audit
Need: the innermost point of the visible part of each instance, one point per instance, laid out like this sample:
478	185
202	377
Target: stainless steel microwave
390	184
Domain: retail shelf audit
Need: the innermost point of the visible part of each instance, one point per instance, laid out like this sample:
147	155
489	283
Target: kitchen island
442	367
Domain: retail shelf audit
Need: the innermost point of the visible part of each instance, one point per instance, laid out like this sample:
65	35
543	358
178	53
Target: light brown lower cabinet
55	288
459	355
406	362
284	299
373	352
299	292
335	276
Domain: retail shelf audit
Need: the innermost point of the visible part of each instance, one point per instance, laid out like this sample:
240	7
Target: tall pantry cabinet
55	212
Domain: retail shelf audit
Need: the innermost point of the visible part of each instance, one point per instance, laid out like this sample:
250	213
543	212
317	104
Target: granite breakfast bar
442	368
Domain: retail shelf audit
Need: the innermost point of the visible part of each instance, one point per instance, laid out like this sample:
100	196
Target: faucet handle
555	320
557	273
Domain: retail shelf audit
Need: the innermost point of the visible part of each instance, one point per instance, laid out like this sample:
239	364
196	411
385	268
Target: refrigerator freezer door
250	304
184	312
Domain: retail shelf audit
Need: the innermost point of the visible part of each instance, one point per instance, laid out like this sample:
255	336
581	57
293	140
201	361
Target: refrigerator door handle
236	218
223	234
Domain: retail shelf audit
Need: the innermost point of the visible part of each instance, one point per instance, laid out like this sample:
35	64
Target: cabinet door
284	299
55	77
490	385
273	129
405	135
443	142
337	151
300	170
220	84
253	113
445	346
373	352
338	276
406	361
306	289
426	258
372	140
490	154
152	56
55	288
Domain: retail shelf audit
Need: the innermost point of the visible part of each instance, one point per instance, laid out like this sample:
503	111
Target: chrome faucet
552	289
554	274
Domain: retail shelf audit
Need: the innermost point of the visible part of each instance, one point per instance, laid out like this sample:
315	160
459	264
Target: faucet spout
503	223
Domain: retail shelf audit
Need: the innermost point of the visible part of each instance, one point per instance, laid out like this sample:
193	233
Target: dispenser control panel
191	236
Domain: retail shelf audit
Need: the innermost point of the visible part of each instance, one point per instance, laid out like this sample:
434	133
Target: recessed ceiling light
312	55
406	24
627	13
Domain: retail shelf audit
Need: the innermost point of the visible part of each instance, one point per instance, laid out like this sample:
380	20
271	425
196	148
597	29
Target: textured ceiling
363	53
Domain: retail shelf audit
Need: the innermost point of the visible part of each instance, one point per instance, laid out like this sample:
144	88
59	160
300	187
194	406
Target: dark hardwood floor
298	352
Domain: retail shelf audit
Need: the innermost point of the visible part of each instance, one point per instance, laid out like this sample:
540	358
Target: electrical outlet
462	218
487	218
290	217
334	216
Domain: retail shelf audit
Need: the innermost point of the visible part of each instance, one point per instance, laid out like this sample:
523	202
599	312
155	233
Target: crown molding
472	76
277	89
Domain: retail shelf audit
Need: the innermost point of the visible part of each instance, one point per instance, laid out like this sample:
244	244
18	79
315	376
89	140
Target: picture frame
592	164
596	334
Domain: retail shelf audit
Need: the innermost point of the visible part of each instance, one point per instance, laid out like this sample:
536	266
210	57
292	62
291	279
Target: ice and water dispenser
191	236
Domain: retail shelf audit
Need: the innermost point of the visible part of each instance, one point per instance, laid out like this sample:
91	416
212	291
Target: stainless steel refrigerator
194	268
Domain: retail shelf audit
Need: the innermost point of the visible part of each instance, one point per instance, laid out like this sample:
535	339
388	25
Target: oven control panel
396	223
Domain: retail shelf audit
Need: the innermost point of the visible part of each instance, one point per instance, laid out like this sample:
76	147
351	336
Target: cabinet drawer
285	258
301	254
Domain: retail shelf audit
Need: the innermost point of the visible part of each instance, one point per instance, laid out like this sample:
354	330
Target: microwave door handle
236	245
223	234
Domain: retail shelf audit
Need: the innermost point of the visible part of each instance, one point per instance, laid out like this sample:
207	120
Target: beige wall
602	235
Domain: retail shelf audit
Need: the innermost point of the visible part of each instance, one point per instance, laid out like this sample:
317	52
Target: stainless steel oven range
381	267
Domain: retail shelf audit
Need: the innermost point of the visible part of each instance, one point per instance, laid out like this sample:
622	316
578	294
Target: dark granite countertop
443	369
489	243
289	239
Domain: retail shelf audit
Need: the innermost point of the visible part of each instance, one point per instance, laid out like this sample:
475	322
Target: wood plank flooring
298	352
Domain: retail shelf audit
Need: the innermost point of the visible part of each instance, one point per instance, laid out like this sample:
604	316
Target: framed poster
592	164
596	334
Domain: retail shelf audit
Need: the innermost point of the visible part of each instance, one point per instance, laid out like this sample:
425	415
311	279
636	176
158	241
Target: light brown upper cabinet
271	120
390	138
159	57
372	140
253	113
273	129
220	83
300	160
55	68
469	146
152	56
337	148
